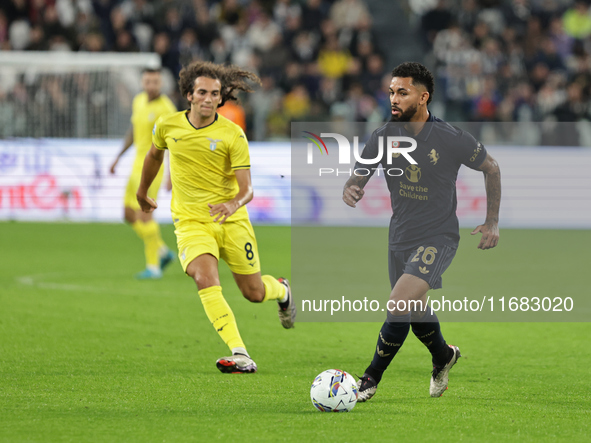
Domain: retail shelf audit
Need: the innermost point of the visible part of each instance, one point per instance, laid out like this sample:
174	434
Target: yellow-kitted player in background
211	184
147	107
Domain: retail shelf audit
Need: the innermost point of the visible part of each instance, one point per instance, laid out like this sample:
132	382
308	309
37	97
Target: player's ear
424	97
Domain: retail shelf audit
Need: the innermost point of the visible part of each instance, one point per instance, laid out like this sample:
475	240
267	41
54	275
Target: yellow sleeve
158	136
239	155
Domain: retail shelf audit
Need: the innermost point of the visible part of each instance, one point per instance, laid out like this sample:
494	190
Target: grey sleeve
469	151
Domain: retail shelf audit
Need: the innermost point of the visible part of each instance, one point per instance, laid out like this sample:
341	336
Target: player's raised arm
152	165
353	190
127	142
492	181
222	211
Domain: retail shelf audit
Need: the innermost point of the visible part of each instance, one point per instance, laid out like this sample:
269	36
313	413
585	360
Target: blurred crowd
317	59
494	60
518	60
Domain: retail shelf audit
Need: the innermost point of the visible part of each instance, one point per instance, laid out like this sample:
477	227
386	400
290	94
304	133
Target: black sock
428	331
392	336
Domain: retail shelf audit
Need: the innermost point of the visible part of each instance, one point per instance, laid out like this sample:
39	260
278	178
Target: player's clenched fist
352	195
146	203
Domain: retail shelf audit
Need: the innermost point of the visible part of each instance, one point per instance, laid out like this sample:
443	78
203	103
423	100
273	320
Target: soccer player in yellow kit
211	184
147	107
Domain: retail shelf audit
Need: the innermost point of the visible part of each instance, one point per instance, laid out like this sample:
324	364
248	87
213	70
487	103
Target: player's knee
144	216
253	294
205	281
417	315
129	215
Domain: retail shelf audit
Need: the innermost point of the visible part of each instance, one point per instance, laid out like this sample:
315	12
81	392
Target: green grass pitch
89	354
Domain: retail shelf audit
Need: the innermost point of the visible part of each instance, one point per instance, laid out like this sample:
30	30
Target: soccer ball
334	391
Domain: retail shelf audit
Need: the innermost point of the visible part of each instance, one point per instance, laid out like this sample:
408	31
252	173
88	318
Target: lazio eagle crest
213	143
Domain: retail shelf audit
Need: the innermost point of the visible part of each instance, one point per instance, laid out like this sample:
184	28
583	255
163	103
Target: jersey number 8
248	249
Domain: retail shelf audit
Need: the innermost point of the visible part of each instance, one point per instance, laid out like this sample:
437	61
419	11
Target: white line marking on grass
37	281
40	281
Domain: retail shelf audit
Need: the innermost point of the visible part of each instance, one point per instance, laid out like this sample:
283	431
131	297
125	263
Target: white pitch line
67	287
36	281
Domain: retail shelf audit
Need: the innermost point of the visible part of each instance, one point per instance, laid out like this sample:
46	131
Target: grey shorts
428	260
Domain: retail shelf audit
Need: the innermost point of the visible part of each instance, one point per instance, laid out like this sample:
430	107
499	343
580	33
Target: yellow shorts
130	199
233	241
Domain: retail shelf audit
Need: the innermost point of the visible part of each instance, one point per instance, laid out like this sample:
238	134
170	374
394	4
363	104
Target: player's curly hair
418	73
231	77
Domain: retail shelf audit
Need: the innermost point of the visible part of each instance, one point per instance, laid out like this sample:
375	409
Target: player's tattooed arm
353	190
492	182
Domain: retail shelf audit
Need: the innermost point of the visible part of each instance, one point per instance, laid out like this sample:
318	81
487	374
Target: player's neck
152	98
199	122
416	123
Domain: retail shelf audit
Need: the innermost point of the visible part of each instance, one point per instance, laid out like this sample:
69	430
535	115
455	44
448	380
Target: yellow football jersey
202	164
143	116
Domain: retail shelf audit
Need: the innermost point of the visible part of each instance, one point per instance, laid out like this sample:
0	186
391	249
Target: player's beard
404	116
153	95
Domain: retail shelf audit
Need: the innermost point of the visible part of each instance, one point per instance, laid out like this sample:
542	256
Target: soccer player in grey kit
424	231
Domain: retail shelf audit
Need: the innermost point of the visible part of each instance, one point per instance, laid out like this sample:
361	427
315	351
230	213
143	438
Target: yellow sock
273	289
153	228
138	227
152	243
221	316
